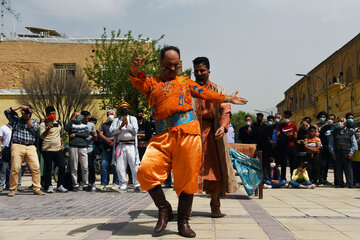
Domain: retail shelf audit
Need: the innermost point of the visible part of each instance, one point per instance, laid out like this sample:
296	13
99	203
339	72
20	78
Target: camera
27	111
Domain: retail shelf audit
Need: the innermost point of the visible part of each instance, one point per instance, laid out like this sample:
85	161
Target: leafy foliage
108	68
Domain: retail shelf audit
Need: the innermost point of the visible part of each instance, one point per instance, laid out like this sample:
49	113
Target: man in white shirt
124	129
5	138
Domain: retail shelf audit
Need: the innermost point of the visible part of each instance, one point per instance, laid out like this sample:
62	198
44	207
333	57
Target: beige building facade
22	55
341	71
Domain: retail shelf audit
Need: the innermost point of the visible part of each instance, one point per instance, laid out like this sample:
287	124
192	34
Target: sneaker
122	190
39	192
115	187
61	189
50	189
267	186
20	188
76	188
93	188
103	188
138	189
12	193
80	188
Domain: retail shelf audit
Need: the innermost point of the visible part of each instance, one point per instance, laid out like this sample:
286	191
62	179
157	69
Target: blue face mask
322	119
270	123
350	120
77	121
277	120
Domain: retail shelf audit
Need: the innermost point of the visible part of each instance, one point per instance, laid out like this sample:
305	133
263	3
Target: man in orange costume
177	144
216	173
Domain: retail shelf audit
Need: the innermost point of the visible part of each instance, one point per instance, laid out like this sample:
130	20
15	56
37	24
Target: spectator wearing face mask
342	146
322	117
272	176
356	160
325	156
107	153
287	135
300	144
350	121
78	133
52	132
267	139
246	133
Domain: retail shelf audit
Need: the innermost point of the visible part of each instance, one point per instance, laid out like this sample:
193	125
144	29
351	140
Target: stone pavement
321	213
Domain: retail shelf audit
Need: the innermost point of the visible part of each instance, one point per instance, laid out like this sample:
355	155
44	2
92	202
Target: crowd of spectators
118	145
308	149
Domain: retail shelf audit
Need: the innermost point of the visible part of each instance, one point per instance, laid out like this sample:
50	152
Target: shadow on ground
127	227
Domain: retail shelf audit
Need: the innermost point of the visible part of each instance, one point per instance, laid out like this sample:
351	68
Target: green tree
238	121
108	68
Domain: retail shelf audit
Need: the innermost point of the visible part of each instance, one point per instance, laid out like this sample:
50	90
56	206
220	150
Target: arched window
304	101
348	75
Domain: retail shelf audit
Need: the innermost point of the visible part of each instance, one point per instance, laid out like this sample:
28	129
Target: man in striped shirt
23	147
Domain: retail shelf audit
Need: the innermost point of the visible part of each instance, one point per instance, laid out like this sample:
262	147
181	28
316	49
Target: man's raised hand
136	63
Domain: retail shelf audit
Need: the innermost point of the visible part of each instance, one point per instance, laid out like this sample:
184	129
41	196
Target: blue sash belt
174	120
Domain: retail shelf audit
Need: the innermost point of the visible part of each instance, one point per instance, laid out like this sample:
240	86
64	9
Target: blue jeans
106	157
297	184
280	184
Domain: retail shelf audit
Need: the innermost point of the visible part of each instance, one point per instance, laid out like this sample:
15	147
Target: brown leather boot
165	210
184	211
215	206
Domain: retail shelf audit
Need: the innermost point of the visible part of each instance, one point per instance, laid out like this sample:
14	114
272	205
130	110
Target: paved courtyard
321	213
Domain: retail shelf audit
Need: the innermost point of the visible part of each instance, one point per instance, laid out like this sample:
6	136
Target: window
304	101
348	75
65	70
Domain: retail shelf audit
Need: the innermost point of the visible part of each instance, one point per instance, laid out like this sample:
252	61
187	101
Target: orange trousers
172	150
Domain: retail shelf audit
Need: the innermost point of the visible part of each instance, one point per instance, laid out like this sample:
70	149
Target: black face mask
124	112
139	117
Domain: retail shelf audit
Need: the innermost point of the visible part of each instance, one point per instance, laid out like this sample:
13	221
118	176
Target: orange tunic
168	98
177	148
210	171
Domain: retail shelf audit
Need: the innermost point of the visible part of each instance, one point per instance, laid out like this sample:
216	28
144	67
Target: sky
254	46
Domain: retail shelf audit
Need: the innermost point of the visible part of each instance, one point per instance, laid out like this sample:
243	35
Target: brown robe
216	173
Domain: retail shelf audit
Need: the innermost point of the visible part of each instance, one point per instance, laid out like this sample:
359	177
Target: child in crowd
272	176
312	145
300	178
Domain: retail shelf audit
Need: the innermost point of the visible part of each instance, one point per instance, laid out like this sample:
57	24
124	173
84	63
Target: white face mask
272	164
111	118
357	134
341	124
330	122
248	123
287	120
